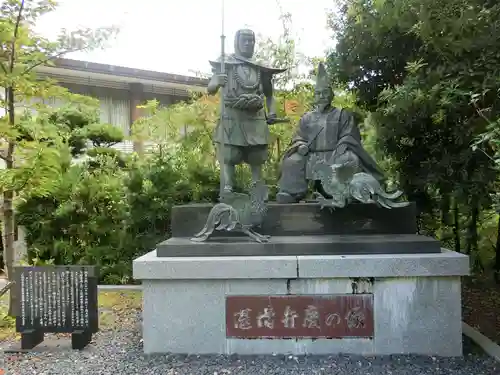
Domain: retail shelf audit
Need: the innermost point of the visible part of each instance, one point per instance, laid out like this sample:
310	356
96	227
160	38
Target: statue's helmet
244	43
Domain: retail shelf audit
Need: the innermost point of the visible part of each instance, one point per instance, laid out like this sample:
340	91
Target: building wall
116	106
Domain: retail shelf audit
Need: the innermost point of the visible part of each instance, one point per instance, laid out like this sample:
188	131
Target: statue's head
323	92
244	43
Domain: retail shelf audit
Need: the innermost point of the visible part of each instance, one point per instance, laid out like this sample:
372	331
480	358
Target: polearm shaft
222	106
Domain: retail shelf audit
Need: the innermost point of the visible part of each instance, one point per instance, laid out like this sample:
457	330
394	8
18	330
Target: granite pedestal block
300	245
407	289
416	300
308	219
303	229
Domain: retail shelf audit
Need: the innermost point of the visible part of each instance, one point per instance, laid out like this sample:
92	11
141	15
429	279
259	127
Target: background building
120	90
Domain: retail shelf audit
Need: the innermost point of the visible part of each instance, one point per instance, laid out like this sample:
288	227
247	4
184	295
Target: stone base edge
490	347
446	263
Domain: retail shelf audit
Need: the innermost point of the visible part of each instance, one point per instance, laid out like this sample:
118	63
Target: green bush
113	207
106	215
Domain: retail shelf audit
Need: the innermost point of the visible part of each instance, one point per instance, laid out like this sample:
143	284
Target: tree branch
2	65
6	288
2	156
43	62
14	37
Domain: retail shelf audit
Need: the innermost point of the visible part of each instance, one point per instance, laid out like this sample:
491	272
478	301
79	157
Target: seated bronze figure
325	135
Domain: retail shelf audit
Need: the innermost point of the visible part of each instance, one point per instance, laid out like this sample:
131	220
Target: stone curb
3	282
485	343
117	288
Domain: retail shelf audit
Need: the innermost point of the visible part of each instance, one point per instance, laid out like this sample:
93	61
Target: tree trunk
472	227
445	215
497	254
8	195
456	225
445	208
472	236
8	210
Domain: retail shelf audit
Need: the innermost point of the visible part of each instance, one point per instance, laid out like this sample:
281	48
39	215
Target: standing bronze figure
242	134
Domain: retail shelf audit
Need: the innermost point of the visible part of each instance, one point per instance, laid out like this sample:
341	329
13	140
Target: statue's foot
227	191
283	197
257	237
260	238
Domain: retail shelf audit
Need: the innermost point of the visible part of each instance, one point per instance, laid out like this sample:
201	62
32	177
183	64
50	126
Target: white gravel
120	352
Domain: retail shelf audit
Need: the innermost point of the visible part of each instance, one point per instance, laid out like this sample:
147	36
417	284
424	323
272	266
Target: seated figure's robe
327	134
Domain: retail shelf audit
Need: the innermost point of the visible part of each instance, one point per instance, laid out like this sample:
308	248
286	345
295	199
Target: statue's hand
221	80
303	150
271	118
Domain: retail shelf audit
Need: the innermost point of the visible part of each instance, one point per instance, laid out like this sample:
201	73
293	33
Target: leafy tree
103	214
83	219
22	50
428	72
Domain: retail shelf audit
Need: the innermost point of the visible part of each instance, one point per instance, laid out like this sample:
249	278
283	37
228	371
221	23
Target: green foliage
71	122
428	72
111	208
108	216
29	152
75	115
81	223
103	134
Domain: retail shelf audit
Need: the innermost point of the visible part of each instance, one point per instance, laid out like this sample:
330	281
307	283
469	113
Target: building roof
119	77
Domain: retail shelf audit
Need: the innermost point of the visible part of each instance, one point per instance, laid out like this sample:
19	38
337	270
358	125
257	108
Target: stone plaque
310	316
56	299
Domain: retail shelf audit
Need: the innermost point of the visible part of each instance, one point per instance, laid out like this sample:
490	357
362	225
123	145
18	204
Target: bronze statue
237	212
343	183
326	135
242	134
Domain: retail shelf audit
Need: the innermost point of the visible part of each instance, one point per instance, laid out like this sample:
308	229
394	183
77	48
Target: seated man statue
326	134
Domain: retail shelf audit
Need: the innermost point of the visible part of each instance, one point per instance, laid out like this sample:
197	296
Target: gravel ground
120	352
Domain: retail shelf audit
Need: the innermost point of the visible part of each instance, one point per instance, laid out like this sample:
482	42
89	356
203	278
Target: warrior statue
325	135
242	134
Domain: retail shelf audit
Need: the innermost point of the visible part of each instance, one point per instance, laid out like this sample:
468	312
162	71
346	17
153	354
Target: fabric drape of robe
241	127
334	131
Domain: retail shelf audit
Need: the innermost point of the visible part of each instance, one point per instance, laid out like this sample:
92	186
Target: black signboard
57	299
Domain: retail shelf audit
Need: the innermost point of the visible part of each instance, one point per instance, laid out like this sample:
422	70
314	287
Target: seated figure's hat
322	79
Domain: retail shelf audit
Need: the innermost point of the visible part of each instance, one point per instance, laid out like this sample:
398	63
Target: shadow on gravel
474	362
121	352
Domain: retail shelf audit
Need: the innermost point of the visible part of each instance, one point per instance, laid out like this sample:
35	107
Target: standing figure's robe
244	129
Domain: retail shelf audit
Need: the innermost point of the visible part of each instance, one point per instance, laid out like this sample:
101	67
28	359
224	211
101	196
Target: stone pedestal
416	301
408	300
